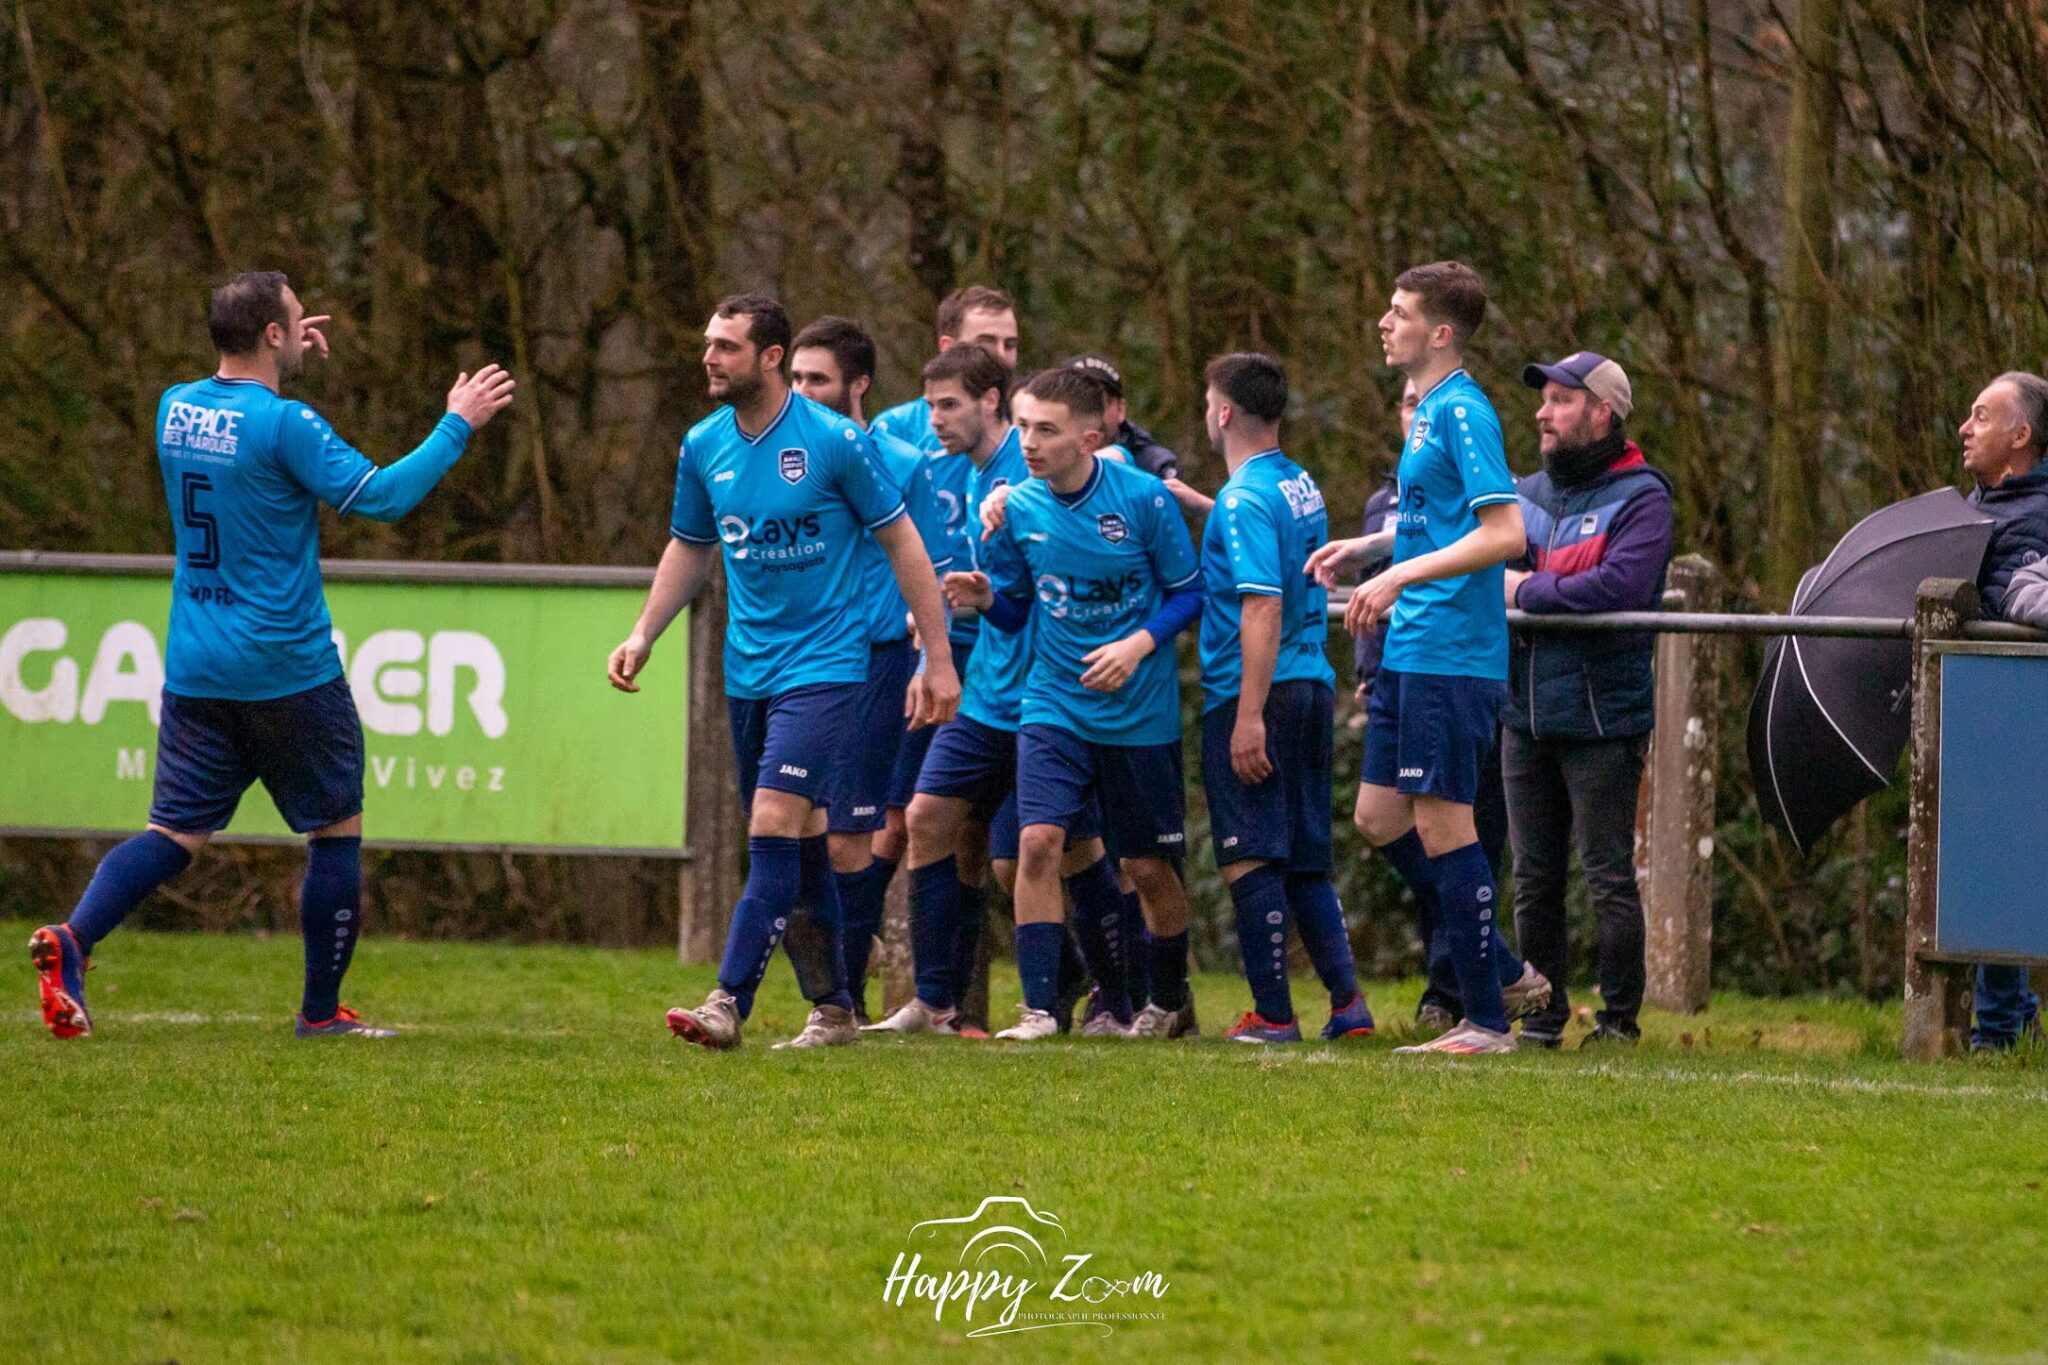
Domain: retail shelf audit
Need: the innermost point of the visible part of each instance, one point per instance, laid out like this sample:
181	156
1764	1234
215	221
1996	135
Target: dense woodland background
1811	231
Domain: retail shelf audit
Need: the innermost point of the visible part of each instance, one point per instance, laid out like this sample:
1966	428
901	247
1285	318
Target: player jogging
253	684
1435	707
788	487
1269	700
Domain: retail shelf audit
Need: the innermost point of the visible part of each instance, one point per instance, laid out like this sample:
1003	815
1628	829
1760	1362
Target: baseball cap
1587	370
1098	368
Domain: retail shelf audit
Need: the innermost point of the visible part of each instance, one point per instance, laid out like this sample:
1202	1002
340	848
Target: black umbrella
1831	716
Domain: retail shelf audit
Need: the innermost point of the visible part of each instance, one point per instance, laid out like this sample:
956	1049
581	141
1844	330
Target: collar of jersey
788	398
1260	456
1439	384
224	379
1075	499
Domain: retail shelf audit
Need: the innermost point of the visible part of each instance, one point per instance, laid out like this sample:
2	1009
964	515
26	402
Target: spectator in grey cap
1599	524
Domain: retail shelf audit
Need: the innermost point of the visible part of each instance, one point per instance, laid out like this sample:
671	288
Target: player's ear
1091	440
771	358
859	387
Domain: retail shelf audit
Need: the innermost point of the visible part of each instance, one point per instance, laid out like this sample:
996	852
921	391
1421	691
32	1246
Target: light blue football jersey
1452	465
1267	520
245	471
909	473
993	691
911	423
1099	563
792	507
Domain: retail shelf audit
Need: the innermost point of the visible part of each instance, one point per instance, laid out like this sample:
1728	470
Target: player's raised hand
1192	502
1110	666
477	398
311	337
626	662
968	591
993	505
1334	561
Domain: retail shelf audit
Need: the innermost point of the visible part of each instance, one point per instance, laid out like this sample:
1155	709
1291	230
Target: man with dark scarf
1599	524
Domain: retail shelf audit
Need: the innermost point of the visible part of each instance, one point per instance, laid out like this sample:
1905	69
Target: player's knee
1154	878
193	843
849	852
1081	855
1444	826
1039	848
1005	870
779	814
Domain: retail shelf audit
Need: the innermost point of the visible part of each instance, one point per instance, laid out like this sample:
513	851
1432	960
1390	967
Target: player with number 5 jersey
253	686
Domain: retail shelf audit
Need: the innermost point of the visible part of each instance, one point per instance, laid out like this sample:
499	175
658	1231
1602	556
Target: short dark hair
1081	392
244	307
767	320
1251	380
1452	292
847	340
2031	393
972	298
974	368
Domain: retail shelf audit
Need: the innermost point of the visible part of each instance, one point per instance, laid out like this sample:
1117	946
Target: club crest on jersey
1112	526
1420	434
794	462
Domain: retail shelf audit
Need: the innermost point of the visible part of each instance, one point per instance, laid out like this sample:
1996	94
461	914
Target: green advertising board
487	721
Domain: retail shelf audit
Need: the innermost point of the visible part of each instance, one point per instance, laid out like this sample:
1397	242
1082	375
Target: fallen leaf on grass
1761	1229
188	1216
150	1201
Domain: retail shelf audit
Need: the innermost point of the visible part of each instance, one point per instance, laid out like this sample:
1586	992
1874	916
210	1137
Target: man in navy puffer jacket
1599	525
2003	442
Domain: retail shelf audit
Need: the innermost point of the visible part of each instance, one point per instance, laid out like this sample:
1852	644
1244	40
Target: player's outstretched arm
939	697
1498	538
1332	563
389	493
677	579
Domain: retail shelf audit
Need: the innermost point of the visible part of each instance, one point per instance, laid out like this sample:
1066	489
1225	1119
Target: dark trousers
1556	787
1490	815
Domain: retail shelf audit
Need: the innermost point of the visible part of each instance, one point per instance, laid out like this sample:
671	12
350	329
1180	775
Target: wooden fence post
1937	993
1675	814
711	877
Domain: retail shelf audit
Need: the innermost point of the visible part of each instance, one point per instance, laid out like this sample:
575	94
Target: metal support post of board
709	882
1937	993
1675	816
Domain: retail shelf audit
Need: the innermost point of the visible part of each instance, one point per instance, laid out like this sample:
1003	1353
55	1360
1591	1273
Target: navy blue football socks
934	924
330	915
968	927
816	936
861	895
774	871
1137	955
1098	924
130	871
1320	917
1169	959
1260	900
1465	898
1038	963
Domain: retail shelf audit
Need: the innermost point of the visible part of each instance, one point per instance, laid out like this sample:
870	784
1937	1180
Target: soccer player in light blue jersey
253	685
1269	696
1094	556
790	489
1435	707
832	362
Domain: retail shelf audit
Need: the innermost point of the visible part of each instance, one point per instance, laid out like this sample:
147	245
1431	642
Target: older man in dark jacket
2003	443
1599	525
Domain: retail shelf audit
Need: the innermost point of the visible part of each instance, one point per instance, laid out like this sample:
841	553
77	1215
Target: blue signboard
1991	875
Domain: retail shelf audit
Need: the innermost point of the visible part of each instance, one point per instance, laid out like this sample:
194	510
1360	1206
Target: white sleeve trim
356	492
1182	583
900	511
1489	499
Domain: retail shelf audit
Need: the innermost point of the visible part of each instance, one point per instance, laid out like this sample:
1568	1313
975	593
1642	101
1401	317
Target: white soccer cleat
1154	1022
1032	1026
828	1026
1105	1025
1529	993
1466	1040
918	1017
714	1024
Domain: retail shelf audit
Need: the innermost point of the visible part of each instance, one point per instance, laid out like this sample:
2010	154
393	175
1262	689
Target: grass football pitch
535	1171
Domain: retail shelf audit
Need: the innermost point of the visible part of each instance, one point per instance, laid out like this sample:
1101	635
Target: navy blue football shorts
1427	734
1134	790
306	749
910	753
859	793
792	742
1286	818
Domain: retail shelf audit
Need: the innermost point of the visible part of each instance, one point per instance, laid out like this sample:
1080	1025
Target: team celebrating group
1046	540
950	643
